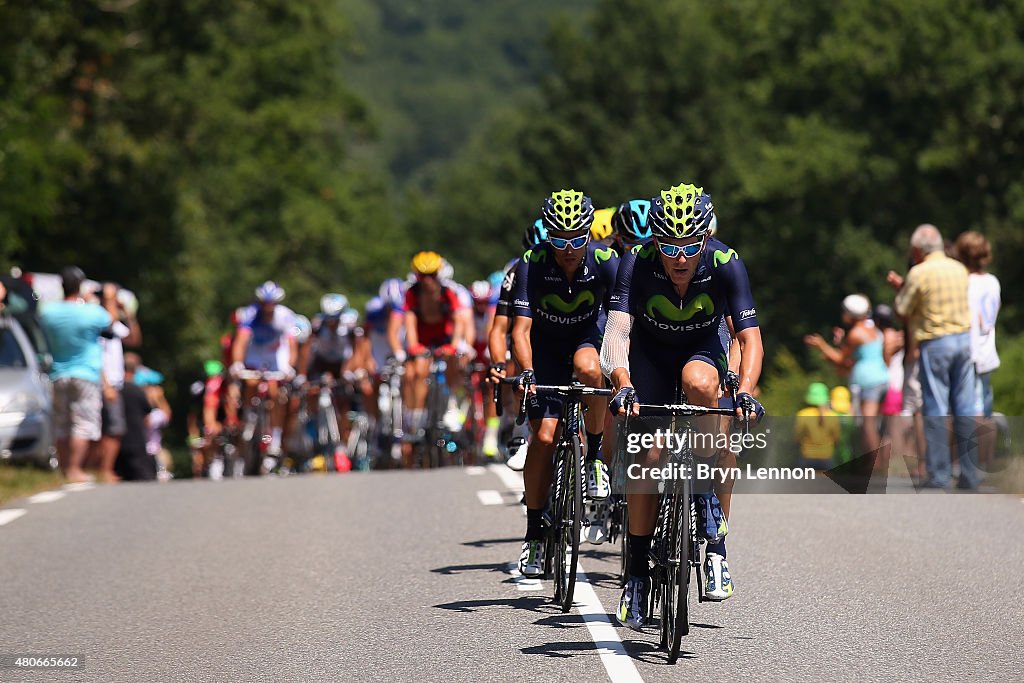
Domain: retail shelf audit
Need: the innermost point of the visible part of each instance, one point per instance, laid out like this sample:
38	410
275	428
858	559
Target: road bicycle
568	490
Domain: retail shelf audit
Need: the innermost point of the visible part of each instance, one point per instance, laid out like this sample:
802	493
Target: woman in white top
983	295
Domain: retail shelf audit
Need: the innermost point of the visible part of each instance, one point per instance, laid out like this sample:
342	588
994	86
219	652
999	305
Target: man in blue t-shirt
74	329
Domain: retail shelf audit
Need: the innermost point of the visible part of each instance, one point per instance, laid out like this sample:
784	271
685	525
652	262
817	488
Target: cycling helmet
495	279
567	211
535	234
349	317
302	329
392	293
481	290
630	221
602	225
269	292
212	368
681	211
427	263
331	305
375	310
446	272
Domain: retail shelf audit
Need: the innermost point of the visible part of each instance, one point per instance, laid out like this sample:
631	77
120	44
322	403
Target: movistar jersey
508	283
559	307
719	287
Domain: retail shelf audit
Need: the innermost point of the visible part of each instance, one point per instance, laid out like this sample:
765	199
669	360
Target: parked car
26	397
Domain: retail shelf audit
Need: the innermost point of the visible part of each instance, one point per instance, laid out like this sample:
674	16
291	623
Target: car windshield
10	351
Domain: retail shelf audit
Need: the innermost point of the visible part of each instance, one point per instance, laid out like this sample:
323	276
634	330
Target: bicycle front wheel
679	573
571	523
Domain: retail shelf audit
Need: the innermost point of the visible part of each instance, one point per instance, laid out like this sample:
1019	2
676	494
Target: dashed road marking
10	515
79	486
513	481
616	660
475	470
490	497
46	497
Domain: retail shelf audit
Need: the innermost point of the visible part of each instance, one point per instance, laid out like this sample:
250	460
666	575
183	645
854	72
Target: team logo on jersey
723	257
605	254
658	303
549	301
644	251
536	256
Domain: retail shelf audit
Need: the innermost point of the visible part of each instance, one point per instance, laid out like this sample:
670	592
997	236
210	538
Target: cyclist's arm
412	338
521	342
241	344
615	349
395	321
293	351
734	347
523	317
497	340
751	358
744	322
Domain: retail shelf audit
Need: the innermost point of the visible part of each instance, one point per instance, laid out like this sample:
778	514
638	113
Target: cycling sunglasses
674	250
561	244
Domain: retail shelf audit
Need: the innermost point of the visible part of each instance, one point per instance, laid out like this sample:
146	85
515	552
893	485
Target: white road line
46	497
512	480
475	470
490	497
616	660
79	486
523	583
10	515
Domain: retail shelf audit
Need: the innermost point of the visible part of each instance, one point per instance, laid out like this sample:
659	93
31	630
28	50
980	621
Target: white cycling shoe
599	486
518	460
718	584
595	526
531	559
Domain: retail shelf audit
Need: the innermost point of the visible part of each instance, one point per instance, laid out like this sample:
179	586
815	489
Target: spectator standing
861	356
134	463
983	300
74	328
126	332
933	300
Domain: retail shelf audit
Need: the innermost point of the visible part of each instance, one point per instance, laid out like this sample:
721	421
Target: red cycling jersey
437	333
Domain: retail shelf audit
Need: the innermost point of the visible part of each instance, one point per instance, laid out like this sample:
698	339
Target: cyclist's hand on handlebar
625	399
417	350
496	373
236	369
528	379
449	350
747	405
399	356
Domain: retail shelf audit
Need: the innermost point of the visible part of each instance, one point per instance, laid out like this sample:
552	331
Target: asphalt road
405	577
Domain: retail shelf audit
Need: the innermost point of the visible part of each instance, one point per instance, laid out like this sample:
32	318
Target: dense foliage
192	149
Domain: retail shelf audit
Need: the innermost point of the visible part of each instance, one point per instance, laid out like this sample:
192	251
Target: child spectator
817	429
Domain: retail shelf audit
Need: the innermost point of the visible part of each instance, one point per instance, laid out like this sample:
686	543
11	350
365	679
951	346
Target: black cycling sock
639	549
534	525
593	446
718	548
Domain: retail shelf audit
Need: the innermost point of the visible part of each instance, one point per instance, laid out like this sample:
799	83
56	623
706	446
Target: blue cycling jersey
558	306
719	287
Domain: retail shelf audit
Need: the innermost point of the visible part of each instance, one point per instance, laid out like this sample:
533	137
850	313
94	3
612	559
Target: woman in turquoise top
860	354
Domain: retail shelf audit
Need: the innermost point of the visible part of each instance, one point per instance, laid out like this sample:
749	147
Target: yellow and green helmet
568	211
681	211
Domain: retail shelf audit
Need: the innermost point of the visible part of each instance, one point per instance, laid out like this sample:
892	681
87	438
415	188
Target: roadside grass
18	481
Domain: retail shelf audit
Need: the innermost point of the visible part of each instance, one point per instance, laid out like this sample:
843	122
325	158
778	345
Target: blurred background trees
191	151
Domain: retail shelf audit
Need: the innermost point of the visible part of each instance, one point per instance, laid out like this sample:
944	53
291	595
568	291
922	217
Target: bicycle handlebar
269	375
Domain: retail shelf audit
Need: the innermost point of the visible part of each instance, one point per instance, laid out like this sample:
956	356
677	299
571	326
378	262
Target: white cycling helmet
269	292
331	305
481	290
446	272
303	329
349	317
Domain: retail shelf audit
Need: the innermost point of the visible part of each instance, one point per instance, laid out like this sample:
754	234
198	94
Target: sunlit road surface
407	576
